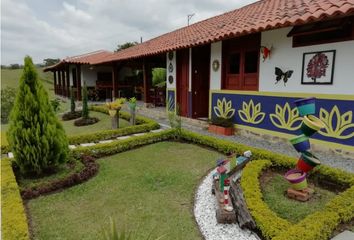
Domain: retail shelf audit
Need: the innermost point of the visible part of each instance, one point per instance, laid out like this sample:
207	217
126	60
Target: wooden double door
195	103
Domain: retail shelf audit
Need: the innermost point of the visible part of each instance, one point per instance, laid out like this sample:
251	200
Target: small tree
36	136
85	110
72	101
158	77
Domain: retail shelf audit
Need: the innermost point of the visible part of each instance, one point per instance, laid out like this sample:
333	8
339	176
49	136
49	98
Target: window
234	63
323	32
240	63
251	62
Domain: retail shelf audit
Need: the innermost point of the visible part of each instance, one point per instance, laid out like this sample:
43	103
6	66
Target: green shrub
36	136
72	101
267	221
14	223
7	101
55	104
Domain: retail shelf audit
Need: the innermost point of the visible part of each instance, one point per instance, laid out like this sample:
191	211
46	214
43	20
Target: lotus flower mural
286	117
223	109
251	113
336	123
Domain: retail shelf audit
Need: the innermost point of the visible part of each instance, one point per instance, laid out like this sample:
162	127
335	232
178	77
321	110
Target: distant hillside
11	78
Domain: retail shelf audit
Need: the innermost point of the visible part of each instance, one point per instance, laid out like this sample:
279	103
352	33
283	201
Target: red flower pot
307	162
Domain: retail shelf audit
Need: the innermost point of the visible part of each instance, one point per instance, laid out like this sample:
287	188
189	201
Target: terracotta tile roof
259	16
87	58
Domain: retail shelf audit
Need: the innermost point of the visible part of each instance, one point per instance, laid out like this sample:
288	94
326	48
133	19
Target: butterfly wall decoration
280	75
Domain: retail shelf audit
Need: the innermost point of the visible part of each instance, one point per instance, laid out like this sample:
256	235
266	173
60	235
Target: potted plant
221	126
132	108
297	178
113	110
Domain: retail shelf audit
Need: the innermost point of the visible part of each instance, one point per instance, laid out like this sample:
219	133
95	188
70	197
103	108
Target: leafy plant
251	113
224	109
132	107
286	118
343	123
158	77
223	122
7	101
36	136
55	104
175	120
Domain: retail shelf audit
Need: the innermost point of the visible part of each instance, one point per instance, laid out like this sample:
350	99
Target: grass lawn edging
14	223
341	208
142	125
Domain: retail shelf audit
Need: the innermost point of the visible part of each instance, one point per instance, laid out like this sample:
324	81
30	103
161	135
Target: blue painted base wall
279	114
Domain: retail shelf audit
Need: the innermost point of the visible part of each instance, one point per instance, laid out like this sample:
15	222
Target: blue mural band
279	114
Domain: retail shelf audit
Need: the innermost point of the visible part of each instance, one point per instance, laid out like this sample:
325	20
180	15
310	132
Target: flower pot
306	106
311	125
221	130
307	161
297	178
301	143
112	113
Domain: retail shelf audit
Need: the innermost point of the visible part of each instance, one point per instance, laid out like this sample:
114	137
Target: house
252	63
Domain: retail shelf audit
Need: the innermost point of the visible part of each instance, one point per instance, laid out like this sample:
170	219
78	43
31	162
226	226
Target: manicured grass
147	189
103	124
292	210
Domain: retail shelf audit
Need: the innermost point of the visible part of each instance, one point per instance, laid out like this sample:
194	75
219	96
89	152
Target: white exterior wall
286	57
89	74
215	76
71	74
173	73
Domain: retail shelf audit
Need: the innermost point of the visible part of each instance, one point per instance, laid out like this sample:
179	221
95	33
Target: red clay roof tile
256	17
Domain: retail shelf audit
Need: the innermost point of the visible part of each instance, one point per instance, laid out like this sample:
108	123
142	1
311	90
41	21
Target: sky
57	29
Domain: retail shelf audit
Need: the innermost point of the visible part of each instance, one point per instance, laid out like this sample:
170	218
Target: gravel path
204	212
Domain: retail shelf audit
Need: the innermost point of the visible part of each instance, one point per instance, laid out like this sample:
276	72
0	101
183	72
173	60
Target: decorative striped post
227	206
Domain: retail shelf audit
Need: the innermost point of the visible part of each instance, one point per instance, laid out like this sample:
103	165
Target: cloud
73	27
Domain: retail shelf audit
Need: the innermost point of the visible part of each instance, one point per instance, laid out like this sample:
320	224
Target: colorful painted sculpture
307	161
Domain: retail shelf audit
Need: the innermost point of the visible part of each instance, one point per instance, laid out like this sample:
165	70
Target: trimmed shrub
85	109
36	136
14	222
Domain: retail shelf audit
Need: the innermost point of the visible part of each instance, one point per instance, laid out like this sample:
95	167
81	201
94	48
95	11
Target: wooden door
182	72
200	81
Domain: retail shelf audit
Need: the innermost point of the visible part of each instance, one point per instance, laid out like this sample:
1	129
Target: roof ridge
87	54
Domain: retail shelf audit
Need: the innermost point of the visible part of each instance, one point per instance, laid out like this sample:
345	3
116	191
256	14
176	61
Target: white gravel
204	212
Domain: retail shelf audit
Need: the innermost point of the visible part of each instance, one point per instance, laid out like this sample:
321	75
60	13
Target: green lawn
292	210
71	129
147	189
103	124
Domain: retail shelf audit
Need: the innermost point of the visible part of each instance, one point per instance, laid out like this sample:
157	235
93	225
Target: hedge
317	226
267	221
143	125
14	222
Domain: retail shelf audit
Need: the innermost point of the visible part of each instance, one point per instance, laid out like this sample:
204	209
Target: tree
50	61
125	46
85	110
36	136
158	77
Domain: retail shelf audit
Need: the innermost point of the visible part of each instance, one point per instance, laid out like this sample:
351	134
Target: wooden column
55	82
78	78
63	83
67	81
146	70
114	82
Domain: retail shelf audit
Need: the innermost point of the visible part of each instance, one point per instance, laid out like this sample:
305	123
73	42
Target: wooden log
244	217
222	216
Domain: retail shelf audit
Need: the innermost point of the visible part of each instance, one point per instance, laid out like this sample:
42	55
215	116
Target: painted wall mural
251	113
279	114
171	97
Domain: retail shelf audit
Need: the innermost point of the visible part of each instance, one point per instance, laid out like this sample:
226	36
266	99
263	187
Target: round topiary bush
85	121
